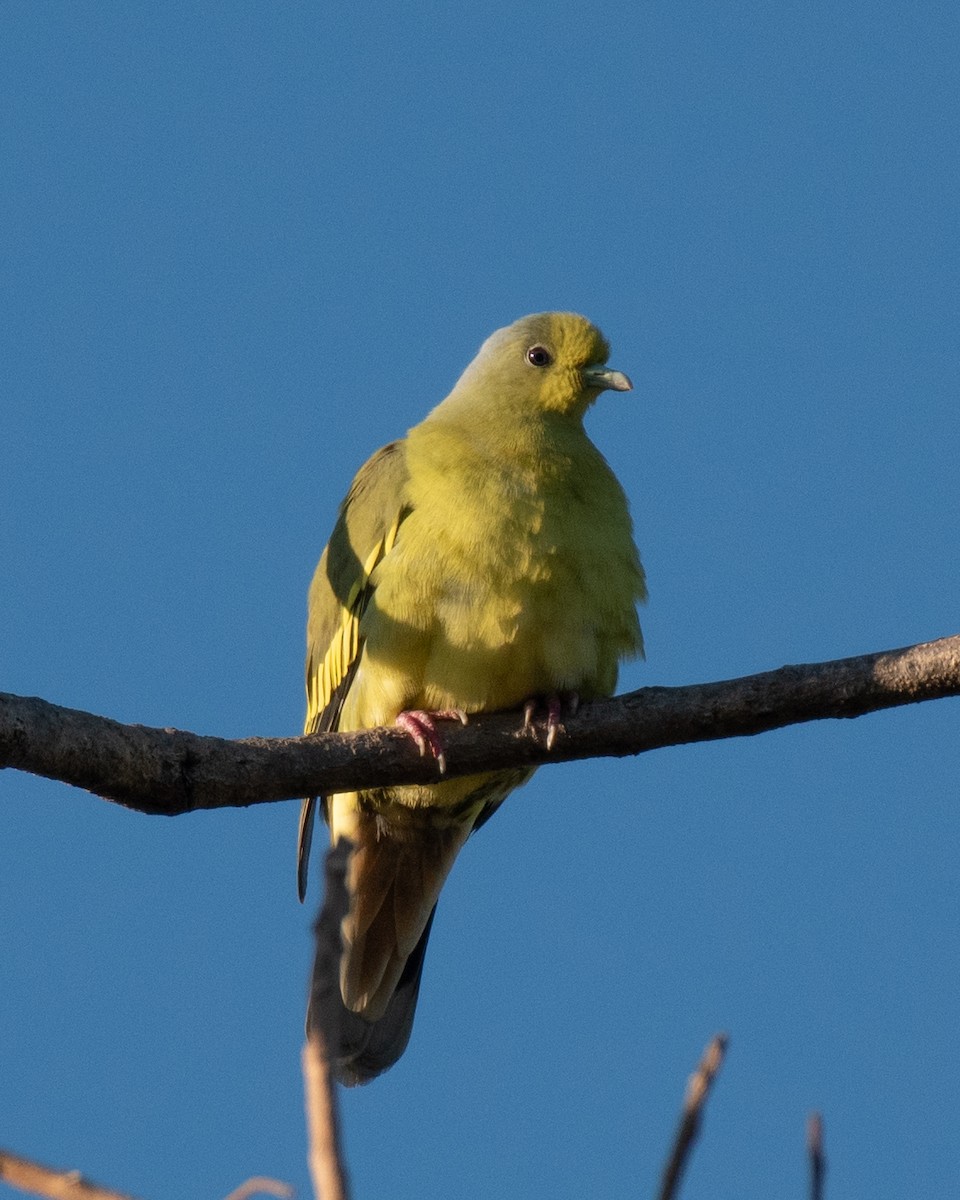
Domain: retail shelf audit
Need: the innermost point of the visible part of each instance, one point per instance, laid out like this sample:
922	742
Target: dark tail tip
365	1049
361	1050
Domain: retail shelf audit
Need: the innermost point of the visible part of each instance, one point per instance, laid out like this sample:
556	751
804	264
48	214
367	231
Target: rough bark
170	771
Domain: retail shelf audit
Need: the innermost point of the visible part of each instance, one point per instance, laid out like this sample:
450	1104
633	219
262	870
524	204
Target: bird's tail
365	1049
394	878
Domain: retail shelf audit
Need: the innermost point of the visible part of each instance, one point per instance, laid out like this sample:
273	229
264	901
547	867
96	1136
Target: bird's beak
602	378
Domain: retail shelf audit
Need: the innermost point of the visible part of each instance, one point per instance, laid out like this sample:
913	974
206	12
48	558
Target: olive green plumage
485	559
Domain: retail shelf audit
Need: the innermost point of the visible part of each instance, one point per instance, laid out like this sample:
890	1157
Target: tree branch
38	1180
169	771
325	1153
818	1160
698	1089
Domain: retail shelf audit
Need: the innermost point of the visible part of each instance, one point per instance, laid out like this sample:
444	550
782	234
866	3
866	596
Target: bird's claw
555	704
422	727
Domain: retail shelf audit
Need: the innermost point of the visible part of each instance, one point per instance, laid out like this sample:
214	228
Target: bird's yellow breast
513	576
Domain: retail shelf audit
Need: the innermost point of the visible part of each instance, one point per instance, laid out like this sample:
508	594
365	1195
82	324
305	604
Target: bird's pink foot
555	706
422	727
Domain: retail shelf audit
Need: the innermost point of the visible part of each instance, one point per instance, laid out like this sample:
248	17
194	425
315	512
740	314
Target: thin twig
325	1154
698	1088
818	1161
260	1185
38	1180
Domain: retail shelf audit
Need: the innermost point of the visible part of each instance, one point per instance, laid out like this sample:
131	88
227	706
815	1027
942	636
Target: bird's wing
365	532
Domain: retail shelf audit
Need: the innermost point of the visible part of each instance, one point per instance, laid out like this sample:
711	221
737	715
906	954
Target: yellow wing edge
344	647
323	683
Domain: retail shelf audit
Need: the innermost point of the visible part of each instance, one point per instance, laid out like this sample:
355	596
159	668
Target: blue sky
242	246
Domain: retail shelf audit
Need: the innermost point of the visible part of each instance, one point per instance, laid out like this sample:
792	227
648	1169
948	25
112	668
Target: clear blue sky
242	245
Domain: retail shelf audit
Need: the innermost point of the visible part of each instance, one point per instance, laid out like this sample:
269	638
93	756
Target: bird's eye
539	356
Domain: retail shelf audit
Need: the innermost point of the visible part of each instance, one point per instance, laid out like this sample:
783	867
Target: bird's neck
501	435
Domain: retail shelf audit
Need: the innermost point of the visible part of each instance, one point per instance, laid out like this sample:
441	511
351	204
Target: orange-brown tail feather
394	879
366	1049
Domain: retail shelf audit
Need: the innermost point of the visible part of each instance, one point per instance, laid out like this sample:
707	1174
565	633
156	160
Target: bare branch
325	1155
698	1088
170	772
818	1161
38	1180
260	1185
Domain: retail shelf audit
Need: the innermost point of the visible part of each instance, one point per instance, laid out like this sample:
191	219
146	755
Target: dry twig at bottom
323	1127
39	1180
818	1160
260	1185
325	1155
698	1089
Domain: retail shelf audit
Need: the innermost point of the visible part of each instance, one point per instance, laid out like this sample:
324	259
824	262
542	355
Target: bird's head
554	362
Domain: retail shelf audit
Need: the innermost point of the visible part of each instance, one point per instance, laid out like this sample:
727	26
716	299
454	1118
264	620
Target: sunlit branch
698	1089
169	771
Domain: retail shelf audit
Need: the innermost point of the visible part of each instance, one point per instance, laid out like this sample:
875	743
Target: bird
484	562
